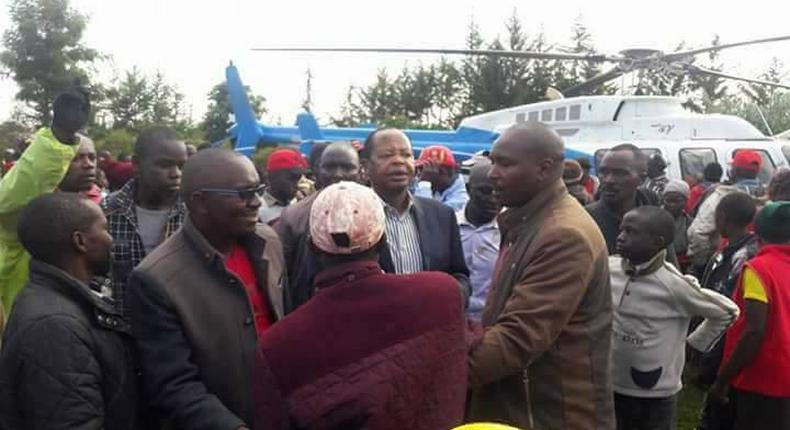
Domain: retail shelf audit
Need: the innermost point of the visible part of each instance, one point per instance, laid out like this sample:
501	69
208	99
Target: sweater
653	306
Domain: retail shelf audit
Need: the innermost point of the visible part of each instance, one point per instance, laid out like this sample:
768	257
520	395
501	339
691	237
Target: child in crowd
756	363
653	306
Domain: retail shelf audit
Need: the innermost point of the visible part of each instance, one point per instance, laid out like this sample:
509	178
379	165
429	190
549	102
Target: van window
694	160
767	169
786	152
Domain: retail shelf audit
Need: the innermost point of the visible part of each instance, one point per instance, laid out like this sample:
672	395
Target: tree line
43	52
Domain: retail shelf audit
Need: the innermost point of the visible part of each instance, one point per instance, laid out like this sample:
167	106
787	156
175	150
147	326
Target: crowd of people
360	288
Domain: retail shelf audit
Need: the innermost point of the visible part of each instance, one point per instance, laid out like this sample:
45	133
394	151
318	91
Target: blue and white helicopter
589	124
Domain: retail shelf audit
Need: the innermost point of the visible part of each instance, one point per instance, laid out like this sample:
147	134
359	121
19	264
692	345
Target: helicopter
589	124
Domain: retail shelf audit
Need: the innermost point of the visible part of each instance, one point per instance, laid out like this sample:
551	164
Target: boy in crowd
734	214
756	351
653	306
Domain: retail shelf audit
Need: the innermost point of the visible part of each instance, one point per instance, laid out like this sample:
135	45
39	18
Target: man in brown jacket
544	361
200	301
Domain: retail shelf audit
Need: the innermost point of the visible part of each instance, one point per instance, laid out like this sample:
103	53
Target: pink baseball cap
346	218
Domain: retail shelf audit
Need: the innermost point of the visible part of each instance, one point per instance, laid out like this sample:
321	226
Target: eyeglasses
246	194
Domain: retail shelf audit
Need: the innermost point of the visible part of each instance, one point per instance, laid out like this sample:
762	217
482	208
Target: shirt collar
647	267
460	217
389	209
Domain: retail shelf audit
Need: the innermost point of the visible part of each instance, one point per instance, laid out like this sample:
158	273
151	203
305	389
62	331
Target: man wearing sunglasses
200	301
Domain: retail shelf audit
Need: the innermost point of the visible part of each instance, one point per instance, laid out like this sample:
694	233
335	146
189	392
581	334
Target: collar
347	272
533	209
388	208
270	200
647	267
206	250
123	202
104	311
460	217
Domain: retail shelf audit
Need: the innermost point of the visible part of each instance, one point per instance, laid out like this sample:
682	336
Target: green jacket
40	169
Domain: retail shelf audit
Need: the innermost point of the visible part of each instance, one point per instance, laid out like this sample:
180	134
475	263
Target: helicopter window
768	168
546	115
575	112
520	117
694	160
533	116
786	152
560	114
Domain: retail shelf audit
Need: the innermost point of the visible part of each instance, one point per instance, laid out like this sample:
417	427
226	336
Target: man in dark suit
422	234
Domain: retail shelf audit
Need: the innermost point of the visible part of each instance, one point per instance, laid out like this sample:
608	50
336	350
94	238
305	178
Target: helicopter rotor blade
593	58
684	54
692	69
600	79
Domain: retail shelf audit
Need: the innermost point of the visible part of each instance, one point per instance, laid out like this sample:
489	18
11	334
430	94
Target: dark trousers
638	413
753	412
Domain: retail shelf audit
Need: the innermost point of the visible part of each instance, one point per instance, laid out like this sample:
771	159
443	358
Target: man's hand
719	391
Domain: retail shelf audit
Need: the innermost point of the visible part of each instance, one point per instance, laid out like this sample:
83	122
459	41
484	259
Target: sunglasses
245	194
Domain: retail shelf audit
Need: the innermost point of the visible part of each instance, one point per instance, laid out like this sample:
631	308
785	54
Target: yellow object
752	286
485	426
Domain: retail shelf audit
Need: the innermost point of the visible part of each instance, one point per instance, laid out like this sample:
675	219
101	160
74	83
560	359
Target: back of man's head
70	109
713	172
779	187
737	209
47	225
773	223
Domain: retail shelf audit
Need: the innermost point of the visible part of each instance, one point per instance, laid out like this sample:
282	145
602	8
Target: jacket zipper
529	399
624	293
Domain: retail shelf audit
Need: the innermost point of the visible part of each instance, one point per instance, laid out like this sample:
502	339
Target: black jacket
194	329
66	361
440	243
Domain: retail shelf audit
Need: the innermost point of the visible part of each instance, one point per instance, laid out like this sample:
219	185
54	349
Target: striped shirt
403	239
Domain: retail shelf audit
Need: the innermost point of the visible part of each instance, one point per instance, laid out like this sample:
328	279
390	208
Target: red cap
747	159
437	153
282	159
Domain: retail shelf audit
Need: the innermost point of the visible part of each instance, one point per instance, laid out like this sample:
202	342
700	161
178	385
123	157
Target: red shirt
238	263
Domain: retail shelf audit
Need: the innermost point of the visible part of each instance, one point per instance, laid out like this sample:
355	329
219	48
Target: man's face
232	214
81	174
391	164
481	194
98	242
635	242
337	166
674	203
283	183
619	177
515	175
160	172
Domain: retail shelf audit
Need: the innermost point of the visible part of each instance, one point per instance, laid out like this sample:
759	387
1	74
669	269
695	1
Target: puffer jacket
66	361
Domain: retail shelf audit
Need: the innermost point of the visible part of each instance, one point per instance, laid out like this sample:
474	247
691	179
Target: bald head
479	172
536	139
528	158
212	168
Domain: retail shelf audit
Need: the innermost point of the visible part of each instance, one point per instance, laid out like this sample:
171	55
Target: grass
689	406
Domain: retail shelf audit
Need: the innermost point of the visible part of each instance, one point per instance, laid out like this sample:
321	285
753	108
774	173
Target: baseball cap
747	159
346	218
282	159
438	153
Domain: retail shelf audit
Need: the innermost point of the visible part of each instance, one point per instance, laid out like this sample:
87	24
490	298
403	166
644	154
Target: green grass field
689	405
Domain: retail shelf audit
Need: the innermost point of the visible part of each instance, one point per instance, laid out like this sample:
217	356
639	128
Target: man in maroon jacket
369	350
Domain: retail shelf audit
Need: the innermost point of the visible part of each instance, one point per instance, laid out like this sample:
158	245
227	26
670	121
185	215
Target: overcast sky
192	41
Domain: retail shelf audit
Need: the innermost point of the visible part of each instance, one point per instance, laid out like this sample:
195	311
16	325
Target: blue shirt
454	196
481	250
